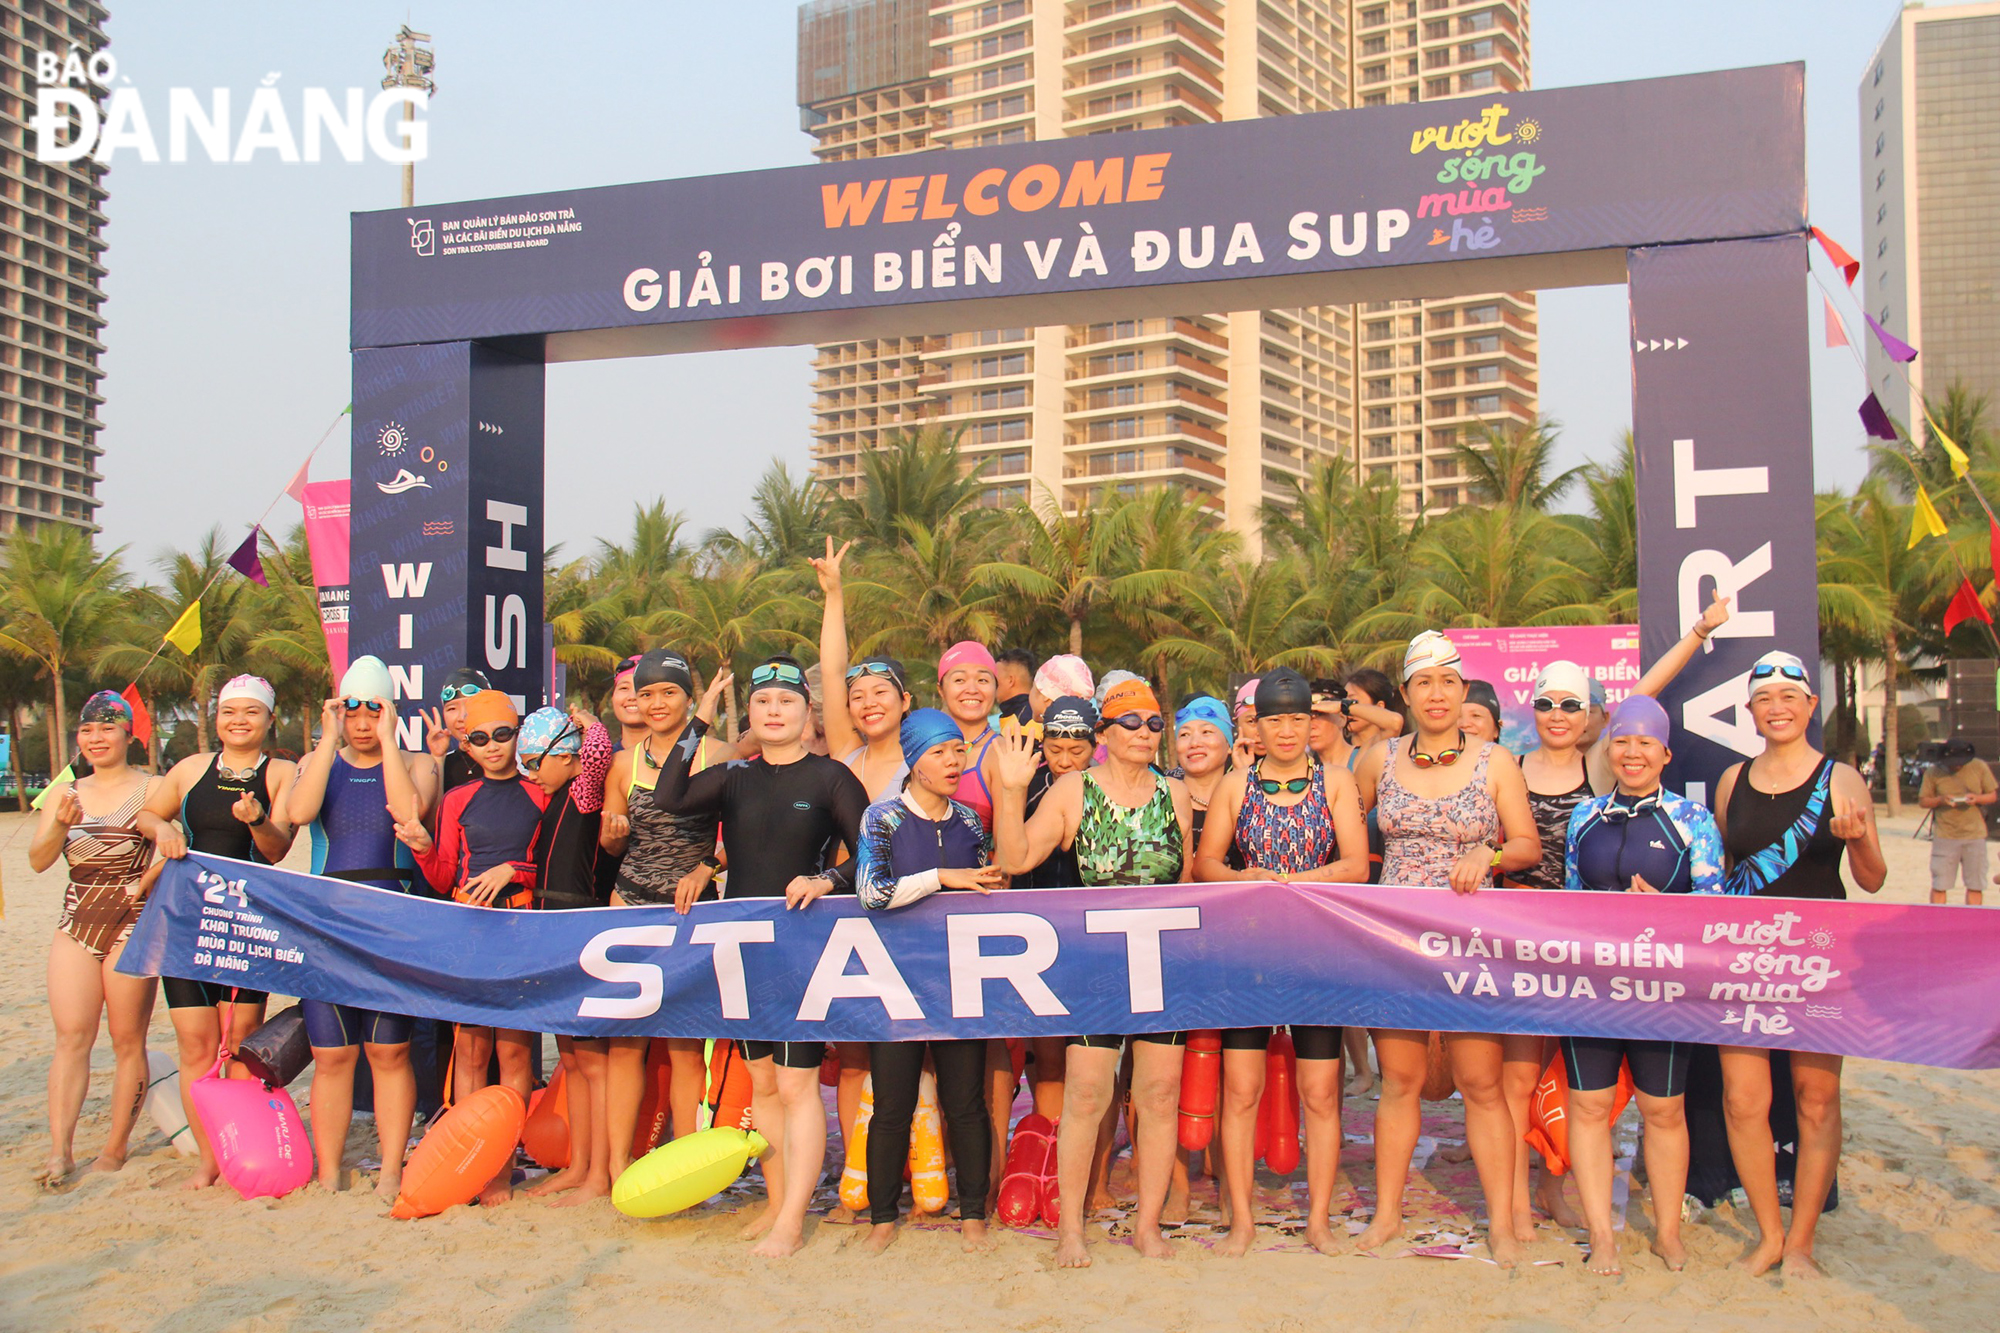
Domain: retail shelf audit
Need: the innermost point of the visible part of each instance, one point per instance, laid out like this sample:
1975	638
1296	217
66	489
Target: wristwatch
712	863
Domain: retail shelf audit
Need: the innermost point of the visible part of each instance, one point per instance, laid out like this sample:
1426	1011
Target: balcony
1133	462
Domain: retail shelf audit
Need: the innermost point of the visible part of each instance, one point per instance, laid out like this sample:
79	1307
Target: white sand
1912	1246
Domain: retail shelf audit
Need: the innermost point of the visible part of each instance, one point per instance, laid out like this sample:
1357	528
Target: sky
226	300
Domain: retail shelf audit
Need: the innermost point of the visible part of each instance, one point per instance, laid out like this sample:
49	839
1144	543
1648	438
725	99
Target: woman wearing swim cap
232	803
1204	741
968	686
784	819
865	707
1291	819
93	824
1128	825
1452	811
444	726
1787	818
914	844
1480	717
1063	676
1639	838
349	794
664	858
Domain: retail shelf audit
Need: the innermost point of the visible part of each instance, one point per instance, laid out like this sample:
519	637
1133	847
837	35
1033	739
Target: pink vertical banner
326	506
1510	659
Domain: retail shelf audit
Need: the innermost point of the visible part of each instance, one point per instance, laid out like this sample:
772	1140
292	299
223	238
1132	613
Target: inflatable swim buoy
1548	1112
854	1172
163	1103
260	1143
1028	1157
829	1067
1201	1088
279	1050
728	1094
685	1172
656	1107
1051	1189
1281	1095
545	1133
1438	1084
929	1190
462	1152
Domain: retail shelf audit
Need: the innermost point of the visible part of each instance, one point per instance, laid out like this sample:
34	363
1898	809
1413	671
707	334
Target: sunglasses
356	705
1560	705
1152	722
450	692
1272	786
783	673
497	736
1442	759
1766	670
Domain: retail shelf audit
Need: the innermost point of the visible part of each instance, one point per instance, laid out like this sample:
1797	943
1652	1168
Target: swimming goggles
1272	786
356	705
882	669
498	736
1614	811
450	692
1766	670
783	673
1442	759
532	763
228	774
1152	722
1570	705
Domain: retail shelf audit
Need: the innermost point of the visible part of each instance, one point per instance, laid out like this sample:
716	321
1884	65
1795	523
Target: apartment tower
1223	405
1930	134
51	286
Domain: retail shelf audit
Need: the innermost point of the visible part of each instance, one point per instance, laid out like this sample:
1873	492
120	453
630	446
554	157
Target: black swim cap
1282	691
1482	693
467	676
662	666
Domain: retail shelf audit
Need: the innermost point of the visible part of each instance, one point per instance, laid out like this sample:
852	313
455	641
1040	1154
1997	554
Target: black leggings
961	1088
1310	1041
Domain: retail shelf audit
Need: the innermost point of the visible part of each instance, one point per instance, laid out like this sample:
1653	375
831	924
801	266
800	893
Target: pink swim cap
966	653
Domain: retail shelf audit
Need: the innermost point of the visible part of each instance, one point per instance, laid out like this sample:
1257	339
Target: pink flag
1836	332
326	506
296	487
1897	349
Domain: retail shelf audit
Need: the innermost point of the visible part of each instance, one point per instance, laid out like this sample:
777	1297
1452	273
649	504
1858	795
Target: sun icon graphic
392	439
1820	938
1528	131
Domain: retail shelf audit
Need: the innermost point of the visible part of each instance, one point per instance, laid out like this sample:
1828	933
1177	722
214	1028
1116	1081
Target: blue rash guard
902	850
1665	839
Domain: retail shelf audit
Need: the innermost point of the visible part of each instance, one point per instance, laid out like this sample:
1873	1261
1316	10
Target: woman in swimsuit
93	824
968	686
232	803
1128	825
1787	818
1451	812
1292	819
1204	738
667	859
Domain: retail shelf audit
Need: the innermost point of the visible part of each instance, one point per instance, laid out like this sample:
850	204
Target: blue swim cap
1206	708
548	731
925	727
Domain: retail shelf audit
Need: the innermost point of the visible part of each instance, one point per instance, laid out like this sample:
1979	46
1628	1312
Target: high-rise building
1225	405
1930	134
51	286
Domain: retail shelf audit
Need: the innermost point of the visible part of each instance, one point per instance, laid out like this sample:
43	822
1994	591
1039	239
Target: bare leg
395	1109
1319	1098
1089	1081
624	1088
1522	1060
1490	1133
805	1153
76	1006
1049	1061
1589	1120
510	1046
128	1008
587	1123
767	1116
332	1103
1000	1085
1156	1101
1107	1138
197	1038
1746	1108
1666	1173
471	1052
576	1101
1242	1094
1399	1119
1355	1047
687	1079
1816	1089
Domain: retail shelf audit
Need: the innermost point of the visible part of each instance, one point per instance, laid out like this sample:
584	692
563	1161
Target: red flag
142	721
296	487
1849	266
1965	605
1836	332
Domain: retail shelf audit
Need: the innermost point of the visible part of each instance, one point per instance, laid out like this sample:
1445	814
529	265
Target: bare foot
781	1243
54	1171
1500	1243
1237	1243
329	1183
1319	1235
840	1214
1764	1258
1603	1256
109	1162
498	1190
1175	1210
1100	1198
761	1223
1453	1152
1549	1194
1800	1263
1070	1250
1524	1226
1385	1228
584	1193
1361	1086
1670	1249
555	1183
972	1234
1151	1244
880	1237
200	1180
388	1184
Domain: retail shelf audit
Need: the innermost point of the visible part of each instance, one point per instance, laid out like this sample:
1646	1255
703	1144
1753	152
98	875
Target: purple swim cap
1640	715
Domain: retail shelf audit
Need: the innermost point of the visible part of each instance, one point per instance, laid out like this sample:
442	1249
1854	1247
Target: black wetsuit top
1059	870
568	872
212	826
779	821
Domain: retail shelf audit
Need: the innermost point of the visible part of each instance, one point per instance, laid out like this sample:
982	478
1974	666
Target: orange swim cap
490	708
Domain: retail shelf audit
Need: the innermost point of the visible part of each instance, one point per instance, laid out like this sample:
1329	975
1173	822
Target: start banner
1887	981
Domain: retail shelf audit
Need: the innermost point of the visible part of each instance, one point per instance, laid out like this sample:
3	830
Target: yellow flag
1959	462
1924	520
186	633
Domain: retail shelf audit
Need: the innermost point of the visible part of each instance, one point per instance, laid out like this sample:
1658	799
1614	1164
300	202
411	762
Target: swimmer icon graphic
404	480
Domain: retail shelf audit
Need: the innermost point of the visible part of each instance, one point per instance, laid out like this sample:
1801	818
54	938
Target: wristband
260	820
711	863
1498	852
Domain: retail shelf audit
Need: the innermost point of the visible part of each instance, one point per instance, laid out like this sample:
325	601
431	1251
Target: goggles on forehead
1766	670
451	692
860	669
783	673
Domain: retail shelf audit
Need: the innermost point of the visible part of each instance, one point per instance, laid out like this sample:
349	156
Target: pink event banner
326	506
1510	659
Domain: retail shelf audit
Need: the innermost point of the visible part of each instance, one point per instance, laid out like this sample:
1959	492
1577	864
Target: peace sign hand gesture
411	832
827	567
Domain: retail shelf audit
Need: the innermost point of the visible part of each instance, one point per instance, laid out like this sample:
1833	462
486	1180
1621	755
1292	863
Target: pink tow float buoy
260	1141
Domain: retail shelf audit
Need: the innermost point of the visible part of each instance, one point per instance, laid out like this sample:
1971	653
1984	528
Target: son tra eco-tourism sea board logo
70	124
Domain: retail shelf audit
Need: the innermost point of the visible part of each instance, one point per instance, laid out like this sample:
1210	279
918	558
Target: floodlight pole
409	63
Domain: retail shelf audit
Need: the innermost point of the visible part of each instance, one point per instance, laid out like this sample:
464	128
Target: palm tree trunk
1076	637
1893	783
14	750
200	726
57	724
1168	749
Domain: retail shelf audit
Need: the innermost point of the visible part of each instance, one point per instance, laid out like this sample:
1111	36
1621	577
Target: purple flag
1897	349
245	560
1875	419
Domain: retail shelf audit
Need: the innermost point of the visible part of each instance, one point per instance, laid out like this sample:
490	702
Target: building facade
1224	405
1930	134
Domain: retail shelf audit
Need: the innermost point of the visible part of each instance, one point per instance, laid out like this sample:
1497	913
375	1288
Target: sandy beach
1911	1246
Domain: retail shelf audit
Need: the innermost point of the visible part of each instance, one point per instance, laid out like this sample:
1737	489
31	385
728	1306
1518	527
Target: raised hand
437	736
1714	616
1015	763
1850	822
331	714
712	696
69	808
827	567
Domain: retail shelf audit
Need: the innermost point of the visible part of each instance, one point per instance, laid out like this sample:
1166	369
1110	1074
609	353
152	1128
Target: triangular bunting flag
186	633
1924	520
1993	546
246	561
1849	266
1897	349
1875	418
142	718
1965	605
1836	332
1959	462
296	487
67	775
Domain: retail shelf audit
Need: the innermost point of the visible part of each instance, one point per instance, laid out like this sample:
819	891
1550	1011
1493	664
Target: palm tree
1611	565
1252	617
1351	543
57	607
788	518
917	476
227	628
1508	465
1073	564
734	612
930	578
